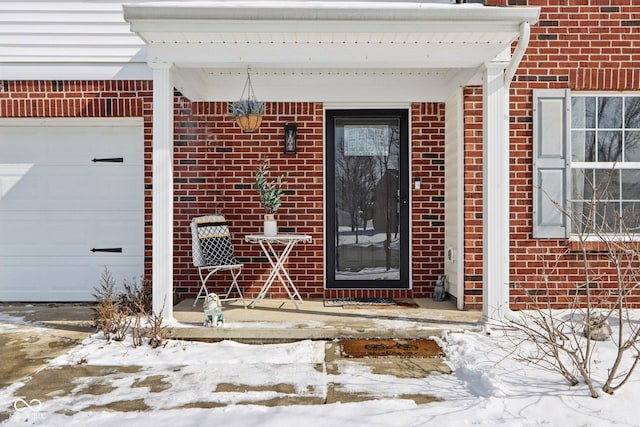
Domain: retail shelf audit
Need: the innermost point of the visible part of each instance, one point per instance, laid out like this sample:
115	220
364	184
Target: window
605	163
586	160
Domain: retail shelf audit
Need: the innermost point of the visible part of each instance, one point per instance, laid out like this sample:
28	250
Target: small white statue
212	311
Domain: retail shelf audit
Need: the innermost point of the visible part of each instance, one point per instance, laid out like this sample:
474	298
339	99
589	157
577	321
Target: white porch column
495	253
162	194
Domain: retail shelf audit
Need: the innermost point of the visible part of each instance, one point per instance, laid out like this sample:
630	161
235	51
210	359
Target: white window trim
591	237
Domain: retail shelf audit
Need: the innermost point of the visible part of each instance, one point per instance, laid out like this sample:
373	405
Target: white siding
454	196
73	39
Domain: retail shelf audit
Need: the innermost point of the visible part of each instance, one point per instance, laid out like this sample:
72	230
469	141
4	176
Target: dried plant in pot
270	193
248	111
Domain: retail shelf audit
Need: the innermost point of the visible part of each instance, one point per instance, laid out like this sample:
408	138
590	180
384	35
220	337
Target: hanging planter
248	111
249	122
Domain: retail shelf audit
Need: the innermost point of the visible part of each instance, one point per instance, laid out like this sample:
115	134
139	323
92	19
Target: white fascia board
200	25
326	11
300	21
324	55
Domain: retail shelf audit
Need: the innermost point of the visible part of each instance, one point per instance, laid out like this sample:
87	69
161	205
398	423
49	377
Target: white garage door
71	205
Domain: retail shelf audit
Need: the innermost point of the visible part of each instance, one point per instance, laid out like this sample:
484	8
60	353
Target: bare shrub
120	312
158	334
111	319
135	297
608	253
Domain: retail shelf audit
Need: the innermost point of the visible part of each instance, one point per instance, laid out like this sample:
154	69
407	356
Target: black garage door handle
106	250
109	160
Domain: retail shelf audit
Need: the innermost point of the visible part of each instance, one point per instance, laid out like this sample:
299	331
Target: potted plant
270	193
248	113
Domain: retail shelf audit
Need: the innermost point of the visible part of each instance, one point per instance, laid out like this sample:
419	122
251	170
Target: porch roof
297	49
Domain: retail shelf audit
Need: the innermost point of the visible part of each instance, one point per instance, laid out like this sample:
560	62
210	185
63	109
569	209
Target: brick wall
214	174
472	198
427	215
58	98
214	164
584	45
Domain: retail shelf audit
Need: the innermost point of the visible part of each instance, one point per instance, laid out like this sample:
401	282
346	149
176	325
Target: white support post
162	193
495	291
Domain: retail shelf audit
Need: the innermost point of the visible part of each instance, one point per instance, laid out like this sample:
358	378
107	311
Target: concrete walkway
279	320
49	330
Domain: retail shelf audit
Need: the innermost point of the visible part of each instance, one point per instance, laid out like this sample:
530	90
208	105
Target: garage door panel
75	145
66	188
57	205
70	234
17	149
81	277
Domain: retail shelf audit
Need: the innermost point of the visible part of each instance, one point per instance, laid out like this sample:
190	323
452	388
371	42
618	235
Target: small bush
110	319
118	312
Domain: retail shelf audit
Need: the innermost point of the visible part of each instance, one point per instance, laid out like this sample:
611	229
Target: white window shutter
551	116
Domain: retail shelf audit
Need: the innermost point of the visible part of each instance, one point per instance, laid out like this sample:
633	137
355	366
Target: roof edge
326	10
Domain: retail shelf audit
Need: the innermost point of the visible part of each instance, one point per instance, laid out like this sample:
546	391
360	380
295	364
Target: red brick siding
473	198
585	46
427	215
214	164
56	98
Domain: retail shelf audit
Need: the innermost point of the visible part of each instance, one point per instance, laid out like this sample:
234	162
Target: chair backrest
211	241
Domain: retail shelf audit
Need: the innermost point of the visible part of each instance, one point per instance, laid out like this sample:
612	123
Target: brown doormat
355	303
391	348
396	304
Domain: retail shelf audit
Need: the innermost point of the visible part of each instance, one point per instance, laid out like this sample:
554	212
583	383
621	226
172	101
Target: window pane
632	146
595	217
582	184
607	217
632	112
610	112
580	216
583	112
607	184
631	185
609	146
583	145
631	217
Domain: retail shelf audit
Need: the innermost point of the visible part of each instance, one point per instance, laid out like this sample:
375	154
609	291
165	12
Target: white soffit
323	41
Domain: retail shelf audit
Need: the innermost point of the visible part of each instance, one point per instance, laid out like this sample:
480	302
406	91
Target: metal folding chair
212	252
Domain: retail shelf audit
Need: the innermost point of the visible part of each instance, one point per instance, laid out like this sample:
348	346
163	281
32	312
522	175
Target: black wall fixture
290	138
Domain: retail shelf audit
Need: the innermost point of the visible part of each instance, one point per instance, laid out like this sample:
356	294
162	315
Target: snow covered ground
488	386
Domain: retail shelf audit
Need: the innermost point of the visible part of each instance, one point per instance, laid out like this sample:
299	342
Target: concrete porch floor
279	320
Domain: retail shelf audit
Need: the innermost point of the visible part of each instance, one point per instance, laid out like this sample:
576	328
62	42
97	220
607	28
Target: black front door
367	199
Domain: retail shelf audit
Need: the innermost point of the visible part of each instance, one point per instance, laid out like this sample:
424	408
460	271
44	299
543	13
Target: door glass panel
367	198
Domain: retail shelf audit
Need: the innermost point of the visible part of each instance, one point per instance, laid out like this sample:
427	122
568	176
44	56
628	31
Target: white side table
277	259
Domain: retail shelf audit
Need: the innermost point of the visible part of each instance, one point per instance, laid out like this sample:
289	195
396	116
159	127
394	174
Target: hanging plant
248	111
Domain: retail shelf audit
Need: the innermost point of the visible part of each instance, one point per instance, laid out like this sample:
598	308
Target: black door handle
94	250
109	160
